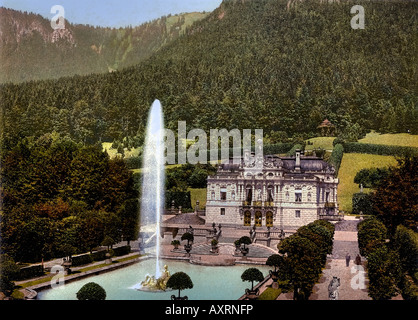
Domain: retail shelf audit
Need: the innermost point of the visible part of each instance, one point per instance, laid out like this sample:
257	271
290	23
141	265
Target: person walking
358	260
347	259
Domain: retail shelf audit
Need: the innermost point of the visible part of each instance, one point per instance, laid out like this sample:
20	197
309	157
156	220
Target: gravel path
345	241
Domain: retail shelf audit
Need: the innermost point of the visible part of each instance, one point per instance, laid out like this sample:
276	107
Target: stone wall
231	216
290	218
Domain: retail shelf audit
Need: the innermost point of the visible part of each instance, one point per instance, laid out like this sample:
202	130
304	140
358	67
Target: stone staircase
229	235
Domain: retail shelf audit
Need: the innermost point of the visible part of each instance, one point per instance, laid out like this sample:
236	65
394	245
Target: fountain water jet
153	182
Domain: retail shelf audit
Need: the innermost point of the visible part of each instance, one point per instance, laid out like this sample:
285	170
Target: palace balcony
258	204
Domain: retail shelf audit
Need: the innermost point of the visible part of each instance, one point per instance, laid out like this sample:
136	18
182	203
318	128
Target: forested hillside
31	50
270	64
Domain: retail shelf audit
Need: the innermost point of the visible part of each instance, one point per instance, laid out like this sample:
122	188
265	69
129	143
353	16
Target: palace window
247	218
269	219
249	193
270	193
298	195
222	211
223	194
297	214
258	217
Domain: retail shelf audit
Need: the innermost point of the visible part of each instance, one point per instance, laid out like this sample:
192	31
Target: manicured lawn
398	139
350	165
320	142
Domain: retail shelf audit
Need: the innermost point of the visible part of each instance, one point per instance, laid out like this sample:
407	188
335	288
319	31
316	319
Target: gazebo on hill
327	129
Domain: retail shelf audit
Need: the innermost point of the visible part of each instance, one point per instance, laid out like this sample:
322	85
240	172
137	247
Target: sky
111	13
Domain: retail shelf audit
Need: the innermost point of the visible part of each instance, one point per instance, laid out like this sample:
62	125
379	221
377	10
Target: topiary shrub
180	281
251	275
188	237
91	291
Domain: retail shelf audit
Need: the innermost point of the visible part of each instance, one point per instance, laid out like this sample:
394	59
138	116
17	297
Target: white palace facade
271	191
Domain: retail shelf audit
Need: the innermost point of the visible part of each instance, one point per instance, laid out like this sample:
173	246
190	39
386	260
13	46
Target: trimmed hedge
81	259
371	235
336	157
121	251
98	255
379	149
406	243
30	272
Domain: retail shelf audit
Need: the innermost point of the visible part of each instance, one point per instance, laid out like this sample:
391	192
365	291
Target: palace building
272	191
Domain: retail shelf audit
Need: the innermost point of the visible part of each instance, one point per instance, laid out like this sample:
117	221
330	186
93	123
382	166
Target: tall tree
396	198
302	265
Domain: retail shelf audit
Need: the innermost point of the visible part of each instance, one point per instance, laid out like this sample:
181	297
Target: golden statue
160	284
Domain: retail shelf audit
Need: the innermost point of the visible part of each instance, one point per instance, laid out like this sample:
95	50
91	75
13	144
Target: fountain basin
210	283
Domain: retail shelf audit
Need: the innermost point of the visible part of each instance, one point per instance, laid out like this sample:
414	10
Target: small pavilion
327	129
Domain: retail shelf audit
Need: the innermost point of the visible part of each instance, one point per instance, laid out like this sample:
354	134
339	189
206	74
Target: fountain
152	197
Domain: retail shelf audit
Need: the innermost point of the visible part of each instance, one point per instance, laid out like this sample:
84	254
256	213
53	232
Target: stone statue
333	288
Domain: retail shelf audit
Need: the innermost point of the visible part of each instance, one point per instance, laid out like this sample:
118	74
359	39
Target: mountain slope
32	50
270	64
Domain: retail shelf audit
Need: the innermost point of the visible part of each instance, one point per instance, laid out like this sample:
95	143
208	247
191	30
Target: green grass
270	294
134	152
320	142
49	276
198	194
170	166
398	139
350	165
190	18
